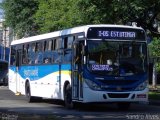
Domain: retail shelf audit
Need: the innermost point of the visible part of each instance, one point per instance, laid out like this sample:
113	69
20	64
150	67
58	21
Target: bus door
18	63
77	89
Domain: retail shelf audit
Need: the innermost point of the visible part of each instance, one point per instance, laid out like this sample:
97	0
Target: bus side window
24	54
70	41
13	55
39	53
31	53
67	48
47	56
56	53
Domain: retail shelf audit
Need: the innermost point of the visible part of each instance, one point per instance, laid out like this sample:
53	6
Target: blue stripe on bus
40	71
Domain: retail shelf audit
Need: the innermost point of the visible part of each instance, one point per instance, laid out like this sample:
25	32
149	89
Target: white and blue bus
86	64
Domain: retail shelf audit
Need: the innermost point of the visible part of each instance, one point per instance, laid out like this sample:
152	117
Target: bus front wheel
68	97
28	93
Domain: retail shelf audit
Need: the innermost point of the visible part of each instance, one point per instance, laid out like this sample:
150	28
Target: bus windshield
116	58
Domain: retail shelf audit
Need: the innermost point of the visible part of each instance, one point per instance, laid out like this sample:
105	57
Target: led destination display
117	34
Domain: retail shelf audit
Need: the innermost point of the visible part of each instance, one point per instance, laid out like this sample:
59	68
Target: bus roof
73	30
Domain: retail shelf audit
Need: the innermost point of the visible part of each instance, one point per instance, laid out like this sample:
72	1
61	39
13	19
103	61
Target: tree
145	13
57	14
19	16
154	48
41	16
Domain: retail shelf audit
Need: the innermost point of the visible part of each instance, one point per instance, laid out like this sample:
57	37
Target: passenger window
70	41
13	55
31	53
58	43
67	55
45	45
47	58
67	48
39	53
48	55
50	43
25	54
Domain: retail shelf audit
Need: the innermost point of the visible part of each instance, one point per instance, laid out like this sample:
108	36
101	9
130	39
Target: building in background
5	34
5	39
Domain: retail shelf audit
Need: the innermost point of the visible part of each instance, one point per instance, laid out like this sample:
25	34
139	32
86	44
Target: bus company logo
28	73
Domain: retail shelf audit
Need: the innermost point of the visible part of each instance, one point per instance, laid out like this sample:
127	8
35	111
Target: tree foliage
155	47
41	16
19	16
154	51
57	14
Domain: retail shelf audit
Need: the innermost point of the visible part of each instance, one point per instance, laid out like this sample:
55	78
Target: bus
4	59
87	64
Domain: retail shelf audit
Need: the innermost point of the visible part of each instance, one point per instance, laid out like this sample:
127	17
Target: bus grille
125	85
118	82
115	95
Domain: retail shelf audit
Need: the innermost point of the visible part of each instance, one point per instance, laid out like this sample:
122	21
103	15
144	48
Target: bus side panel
46	86
45	80
52	83
12	79
65	76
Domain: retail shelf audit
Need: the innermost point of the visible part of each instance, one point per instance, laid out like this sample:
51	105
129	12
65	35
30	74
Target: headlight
142	86
92	85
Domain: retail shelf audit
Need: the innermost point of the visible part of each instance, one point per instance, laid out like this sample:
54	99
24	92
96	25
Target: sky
1	11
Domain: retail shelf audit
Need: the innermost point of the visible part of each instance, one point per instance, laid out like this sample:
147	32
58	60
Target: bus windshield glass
116	58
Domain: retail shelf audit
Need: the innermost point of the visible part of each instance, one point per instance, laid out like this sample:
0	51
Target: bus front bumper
104	96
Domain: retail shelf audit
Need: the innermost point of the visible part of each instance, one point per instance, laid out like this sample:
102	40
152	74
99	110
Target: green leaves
154	50
56	14
155	47
18	15
33	17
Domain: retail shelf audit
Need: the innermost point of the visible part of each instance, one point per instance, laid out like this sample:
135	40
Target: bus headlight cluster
92	85
142	86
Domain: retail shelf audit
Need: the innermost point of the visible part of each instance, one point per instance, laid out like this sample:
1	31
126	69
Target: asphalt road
16	107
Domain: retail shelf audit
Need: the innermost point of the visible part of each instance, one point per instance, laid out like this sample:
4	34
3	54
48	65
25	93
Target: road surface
17	107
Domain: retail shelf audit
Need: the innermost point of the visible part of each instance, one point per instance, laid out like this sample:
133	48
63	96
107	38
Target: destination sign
116	33
102	68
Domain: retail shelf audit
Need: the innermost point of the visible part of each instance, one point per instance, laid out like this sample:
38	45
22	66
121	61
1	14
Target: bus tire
123	105
68	97
28	93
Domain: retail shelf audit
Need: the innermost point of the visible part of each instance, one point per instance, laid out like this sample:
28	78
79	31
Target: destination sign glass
115	33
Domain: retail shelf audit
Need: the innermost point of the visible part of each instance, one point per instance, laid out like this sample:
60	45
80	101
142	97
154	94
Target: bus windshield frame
116	58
